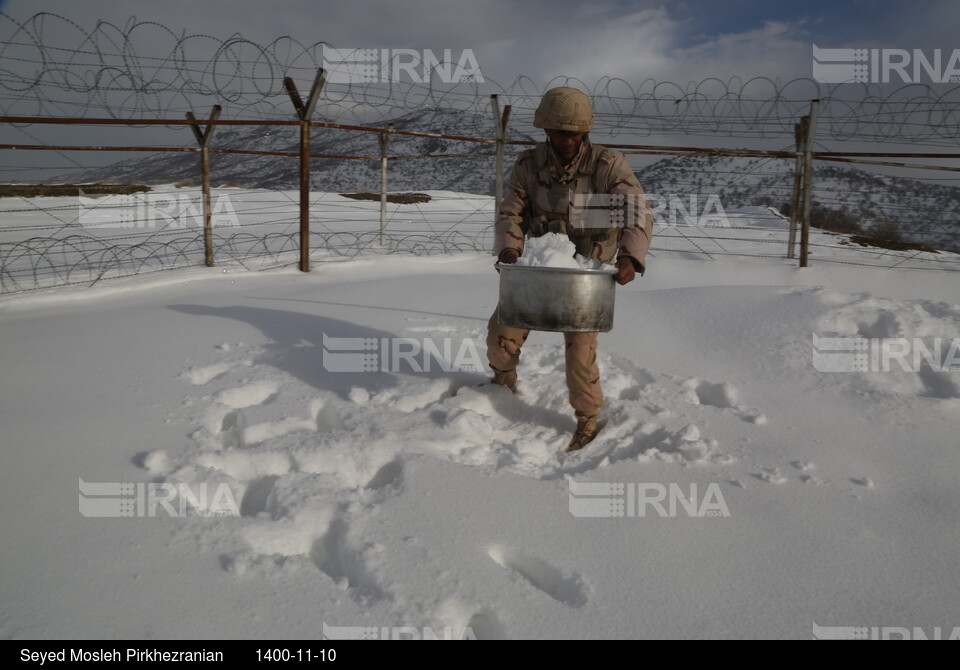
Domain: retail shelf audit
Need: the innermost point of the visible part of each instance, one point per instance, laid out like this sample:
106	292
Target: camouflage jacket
598	203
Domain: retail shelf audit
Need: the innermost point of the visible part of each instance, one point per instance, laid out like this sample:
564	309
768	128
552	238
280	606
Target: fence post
304	112
808	180
500	124
384	139
203	138
800	135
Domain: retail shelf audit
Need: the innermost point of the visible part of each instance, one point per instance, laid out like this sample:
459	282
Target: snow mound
555	250
907	347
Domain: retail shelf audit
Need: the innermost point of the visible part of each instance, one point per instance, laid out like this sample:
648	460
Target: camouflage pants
583	375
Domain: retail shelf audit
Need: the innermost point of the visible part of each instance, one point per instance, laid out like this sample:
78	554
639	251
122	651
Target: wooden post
500	124
384	143
304	112
203	138
799	133
808	181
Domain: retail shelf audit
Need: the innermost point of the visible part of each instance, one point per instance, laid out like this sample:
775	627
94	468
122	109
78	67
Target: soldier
537	202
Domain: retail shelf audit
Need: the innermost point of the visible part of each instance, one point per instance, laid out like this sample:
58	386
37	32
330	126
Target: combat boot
587	429
506	378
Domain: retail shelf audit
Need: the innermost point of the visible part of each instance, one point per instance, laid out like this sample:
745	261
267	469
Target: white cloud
539	40
775	50
643	45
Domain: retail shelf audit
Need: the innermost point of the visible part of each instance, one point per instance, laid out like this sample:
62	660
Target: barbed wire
69	254
107	71
42	262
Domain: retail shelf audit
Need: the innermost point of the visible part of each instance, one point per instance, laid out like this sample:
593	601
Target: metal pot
557	299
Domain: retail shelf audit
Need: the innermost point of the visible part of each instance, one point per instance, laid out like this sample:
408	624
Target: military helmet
564	108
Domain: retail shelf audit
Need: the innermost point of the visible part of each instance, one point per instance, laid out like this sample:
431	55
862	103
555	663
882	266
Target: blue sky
824	18
881	23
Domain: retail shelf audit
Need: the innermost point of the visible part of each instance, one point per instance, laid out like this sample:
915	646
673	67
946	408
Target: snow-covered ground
402	498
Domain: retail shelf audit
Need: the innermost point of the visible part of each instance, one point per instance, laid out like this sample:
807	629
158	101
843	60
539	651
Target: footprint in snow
722	396
255	393
568	590
388	475
232	429
813	480
485	626
255	497
770	475
345	564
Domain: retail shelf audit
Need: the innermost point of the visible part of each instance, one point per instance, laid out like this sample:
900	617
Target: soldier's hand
625	270
509	256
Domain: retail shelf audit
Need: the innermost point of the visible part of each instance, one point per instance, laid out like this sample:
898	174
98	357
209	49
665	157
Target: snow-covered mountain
464	174
922	211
